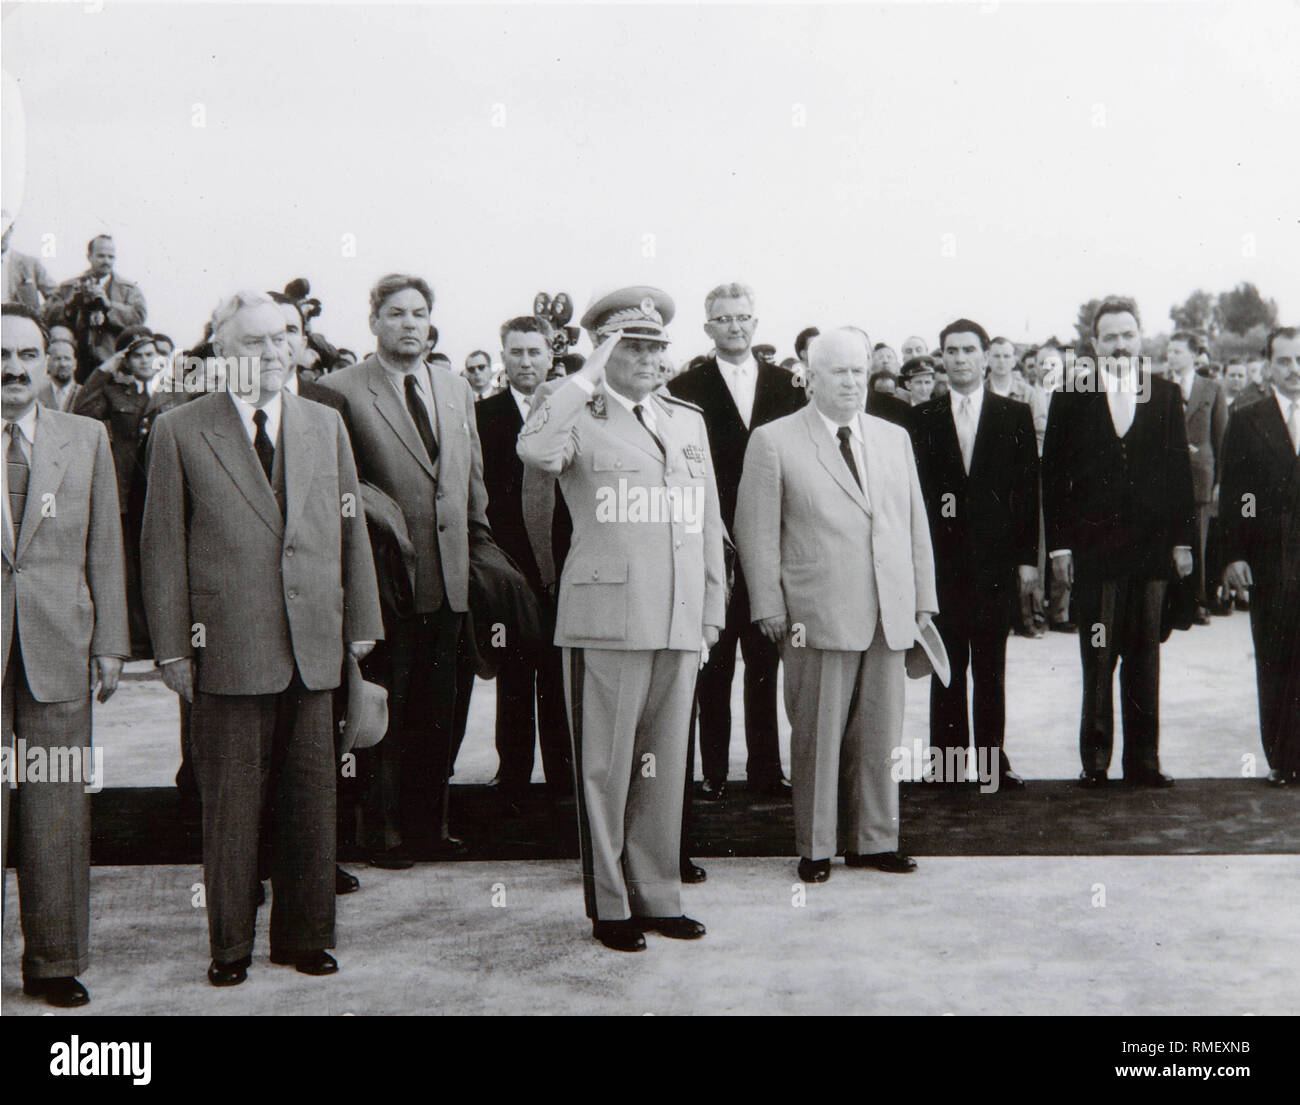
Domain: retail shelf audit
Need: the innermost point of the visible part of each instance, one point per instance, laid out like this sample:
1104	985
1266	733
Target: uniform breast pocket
595	600
605	460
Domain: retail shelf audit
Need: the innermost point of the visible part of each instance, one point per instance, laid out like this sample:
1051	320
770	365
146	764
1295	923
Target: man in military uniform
642	593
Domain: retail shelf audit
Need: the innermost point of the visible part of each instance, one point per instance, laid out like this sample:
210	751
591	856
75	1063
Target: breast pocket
605	460
594	599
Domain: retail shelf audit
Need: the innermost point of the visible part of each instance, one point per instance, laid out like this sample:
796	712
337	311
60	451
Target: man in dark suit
1119	509
64	635
978	463
1205	414
737	394
257	572
1259	510
531	671
415	438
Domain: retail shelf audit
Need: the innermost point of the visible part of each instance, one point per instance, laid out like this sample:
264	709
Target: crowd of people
262	513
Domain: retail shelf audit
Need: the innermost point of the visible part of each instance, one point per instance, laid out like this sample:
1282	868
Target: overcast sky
891	166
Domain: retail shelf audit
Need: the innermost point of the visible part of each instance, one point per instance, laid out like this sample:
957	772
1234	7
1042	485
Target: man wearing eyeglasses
737	394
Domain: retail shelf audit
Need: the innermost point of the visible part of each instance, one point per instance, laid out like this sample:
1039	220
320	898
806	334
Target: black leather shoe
1277	779
62	993
773	788
621	936
229	974
1150	779
895	863
449	847
814	870
345	882
675	928
1092	780
259	898
318	962
714	789
1010	780
1202	616
394	859
692	872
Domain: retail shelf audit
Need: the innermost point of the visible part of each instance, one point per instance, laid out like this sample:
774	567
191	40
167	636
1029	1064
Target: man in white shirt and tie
1120	518
737	394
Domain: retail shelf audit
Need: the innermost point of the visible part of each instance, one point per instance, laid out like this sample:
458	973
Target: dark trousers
1269	625
714	693
1119	622
51	821
404	777
532	673
974	632
265	767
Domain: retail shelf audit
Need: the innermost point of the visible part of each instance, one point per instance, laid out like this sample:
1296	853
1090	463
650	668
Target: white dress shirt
856	442
423	388
1121	398
1290	409
522	401
60	394
741	380
970	407
247	410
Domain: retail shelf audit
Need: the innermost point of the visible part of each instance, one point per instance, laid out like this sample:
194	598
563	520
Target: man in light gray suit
832	534
64	634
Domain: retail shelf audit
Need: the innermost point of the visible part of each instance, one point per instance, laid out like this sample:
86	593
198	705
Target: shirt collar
1284	404
398	377
27	424
522	401
247	410
749	366
833	427
626	403
976	398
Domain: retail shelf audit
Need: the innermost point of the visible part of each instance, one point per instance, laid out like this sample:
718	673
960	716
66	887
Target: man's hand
1183	562
179	677
711	635
1063	569
1237	577
104	673
113	363
360	649
593	371
774	628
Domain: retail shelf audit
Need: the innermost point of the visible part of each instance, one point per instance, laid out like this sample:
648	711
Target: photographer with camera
97	306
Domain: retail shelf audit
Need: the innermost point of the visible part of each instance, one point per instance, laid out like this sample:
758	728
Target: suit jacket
45	397
499	424
983	524
317	393
775	396
1258	460
1120	505
644	570
816	548
891	408
126	307
26	281
1206	418
272	591
65	580
444	504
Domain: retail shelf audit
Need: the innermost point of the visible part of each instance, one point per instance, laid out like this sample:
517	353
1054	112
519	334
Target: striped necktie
17	474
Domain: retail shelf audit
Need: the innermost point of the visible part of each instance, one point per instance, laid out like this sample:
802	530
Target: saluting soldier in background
642	590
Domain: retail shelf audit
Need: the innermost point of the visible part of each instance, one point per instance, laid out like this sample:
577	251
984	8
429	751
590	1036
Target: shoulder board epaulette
668	397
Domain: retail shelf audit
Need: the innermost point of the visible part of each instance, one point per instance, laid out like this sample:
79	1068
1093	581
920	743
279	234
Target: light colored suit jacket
65	581
1206	417
442	503
269	591
645	568
815	548
45	397
26	281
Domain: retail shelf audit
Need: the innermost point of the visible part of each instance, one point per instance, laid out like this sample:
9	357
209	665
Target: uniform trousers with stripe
846	719
265	763
51	824
629	719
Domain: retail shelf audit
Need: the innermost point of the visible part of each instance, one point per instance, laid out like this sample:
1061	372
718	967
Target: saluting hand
594	370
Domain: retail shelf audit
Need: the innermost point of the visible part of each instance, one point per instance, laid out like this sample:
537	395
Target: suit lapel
451	417
985	433
1277	438
229	441
394	412
49	460
828	453
299	459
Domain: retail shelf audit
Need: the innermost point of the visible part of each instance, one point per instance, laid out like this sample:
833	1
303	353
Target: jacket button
288	552
595	575
677	544
293	594
442	528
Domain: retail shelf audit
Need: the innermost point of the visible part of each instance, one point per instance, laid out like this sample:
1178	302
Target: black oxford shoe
675	928
62	993
229	974
345	882
895	863
621	936
1151	779
773	788
1092	780
318	962
1010	780
692	872
714	789
814	870
394	859
1276	778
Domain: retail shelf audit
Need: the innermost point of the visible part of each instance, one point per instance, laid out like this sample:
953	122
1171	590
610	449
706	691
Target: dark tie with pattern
420	416
262	443
640	417
17	472
844	434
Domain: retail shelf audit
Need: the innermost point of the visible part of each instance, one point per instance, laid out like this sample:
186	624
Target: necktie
1292	425
640	417
17	472
844	434
420	416
965	431
262	443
